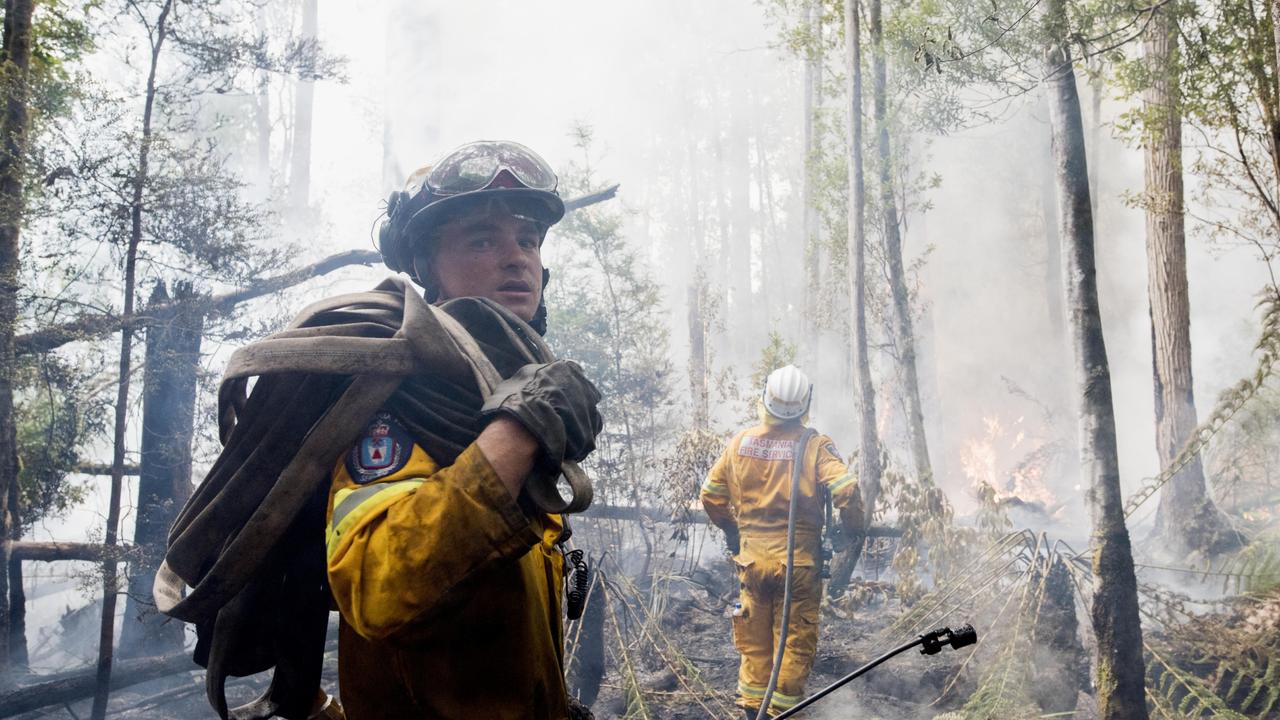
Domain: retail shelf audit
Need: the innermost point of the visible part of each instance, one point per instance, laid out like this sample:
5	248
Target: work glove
556	403
732	541
578	711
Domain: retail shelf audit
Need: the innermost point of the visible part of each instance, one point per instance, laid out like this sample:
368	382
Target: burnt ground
694	621
904	687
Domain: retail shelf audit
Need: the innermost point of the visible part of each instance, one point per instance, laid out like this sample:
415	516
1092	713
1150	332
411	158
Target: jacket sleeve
398	546
715	492
841	481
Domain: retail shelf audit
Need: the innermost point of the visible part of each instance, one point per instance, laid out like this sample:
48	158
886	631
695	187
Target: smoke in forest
722	256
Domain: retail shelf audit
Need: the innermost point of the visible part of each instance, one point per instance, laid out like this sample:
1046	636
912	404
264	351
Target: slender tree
906	341
106	639
303	102
812	101
15	64
869	469
1119	664
1187	519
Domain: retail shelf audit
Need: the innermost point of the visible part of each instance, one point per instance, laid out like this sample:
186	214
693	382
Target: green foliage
1243	462
56	413
608	315
1223	75
684	469
1254	569
61	37
778	352
1176	694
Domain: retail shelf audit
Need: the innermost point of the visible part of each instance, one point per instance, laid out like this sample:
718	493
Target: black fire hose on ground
932	642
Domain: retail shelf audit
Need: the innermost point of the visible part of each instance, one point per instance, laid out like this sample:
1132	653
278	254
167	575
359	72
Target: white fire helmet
787	393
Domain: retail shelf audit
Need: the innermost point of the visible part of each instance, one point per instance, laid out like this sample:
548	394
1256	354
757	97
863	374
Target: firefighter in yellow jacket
747	494
448	587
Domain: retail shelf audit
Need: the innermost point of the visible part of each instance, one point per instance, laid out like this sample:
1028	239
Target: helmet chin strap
539	321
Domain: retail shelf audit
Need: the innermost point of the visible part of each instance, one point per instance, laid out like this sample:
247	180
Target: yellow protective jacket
449	593
749	489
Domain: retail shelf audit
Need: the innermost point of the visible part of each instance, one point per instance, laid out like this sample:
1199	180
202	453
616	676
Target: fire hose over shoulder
256	606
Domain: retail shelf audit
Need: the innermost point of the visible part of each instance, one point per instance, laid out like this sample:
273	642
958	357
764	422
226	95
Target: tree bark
50	551
869	469
17	594
1275	30
893	250
1187	519
303	103
72	686
812	101
106	637
168	426
739	250
1114	612
262	114
15	63
698	350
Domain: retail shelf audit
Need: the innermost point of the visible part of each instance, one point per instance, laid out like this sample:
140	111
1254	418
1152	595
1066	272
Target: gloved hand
578	711
556	403
732	541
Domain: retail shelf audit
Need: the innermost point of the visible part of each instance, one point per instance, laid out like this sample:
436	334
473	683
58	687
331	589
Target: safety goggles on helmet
477	165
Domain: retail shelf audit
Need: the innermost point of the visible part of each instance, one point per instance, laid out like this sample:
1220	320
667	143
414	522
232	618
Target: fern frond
1179	694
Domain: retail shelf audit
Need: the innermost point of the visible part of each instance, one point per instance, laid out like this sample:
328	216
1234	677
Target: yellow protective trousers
756	629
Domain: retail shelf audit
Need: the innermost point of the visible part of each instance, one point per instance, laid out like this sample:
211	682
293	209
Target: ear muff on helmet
396	253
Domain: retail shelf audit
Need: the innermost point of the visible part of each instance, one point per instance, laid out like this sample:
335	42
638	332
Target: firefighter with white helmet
747	494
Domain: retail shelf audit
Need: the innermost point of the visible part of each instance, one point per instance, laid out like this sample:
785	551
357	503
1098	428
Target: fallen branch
50	551
590	199
101	469
79	684
90	326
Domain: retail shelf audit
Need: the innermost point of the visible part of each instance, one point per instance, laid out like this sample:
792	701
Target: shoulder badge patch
383	448
831	448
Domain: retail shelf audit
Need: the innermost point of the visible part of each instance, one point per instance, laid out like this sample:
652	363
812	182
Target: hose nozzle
931	642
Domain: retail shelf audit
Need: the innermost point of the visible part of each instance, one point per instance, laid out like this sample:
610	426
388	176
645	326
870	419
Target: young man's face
491	255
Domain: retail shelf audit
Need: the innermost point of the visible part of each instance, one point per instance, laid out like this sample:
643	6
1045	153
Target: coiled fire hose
797	467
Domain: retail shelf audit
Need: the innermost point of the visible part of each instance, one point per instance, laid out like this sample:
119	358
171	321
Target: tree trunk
698	350
168	425
869	469
893	250
69	687
303	102
1187	519
810	246
1275	30
1057	314
739	250
18	659
15	61
1114	611
262	114
106	638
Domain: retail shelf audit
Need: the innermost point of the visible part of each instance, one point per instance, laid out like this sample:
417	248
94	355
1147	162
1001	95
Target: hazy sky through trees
650	78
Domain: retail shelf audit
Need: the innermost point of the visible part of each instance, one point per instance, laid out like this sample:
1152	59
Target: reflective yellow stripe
351	505
711	487
841	482
781	701
751	691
